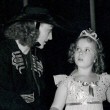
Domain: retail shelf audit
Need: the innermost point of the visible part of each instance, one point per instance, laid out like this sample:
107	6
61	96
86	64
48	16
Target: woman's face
85	53
45	34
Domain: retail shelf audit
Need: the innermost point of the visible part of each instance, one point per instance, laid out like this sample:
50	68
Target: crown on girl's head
90	33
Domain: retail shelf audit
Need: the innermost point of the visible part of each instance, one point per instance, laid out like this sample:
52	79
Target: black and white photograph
54	55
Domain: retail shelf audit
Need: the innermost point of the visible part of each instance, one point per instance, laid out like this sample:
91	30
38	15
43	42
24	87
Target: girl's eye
78	49
87	50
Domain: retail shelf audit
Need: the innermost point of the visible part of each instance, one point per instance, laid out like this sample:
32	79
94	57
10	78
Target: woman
21	72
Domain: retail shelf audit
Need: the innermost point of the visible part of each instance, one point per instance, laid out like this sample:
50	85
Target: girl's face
85	53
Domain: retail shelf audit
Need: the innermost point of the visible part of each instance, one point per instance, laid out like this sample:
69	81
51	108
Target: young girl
87	86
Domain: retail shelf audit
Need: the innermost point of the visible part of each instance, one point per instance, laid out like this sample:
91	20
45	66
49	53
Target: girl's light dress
86	96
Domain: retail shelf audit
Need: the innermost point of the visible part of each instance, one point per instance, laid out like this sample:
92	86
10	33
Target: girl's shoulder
59	78
105	77
62	79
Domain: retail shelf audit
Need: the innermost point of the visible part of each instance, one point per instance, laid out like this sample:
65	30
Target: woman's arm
9	99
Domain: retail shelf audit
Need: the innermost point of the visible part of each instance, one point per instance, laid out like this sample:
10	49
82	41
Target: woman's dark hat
43	15
34	14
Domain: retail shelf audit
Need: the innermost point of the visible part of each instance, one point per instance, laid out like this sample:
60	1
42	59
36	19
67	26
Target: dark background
76	14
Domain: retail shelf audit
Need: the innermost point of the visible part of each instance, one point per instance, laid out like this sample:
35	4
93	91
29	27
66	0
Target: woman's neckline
24	49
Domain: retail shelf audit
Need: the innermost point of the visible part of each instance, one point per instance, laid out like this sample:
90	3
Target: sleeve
58	79
107	81
9	99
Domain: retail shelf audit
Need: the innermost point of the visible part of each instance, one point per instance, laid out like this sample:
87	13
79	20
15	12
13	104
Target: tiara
90	33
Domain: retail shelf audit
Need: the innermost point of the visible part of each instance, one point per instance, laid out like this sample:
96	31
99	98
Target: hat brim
43	18
42	15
